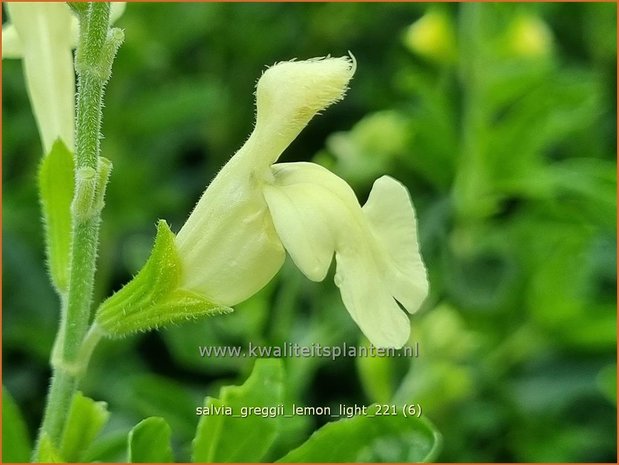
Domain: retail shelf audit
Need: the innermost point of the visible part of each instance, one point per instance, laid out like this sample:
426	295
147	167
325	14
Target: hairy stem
96	50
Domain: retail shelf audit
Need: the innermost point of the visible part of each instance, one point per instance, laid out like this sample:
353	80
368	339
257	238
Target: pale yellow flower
43	35
234	242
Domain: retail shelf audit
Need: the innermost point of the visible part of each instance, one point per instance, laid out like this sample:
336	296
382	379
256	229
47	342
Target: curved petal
310	207
306	232
11	44
316	214
369	302
44	32
392	218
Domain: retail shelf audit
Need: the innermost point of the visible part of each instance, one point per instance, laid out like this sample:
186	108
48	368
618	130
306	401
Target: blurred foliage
500	119
223	439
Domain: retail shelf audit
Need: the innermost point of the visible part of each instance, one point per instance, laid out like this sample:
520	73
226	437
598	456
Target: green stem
470	190
92	338
96	50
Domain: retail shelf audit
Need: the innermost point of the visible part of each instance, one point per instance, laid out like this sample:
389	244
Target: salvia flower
43	35
254	211
40	34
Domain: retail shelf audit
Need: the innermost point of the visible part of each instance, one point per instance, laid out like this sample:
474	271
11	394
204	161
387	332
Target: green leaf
607	382
47	452
370	438
153	298
568	298
56	185
154	395
222	437
16	443
86	419
149	442
208	433
110	447
377	376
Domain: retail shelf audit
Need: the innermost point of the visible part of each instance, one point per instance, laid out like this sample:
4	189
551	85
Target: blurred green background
500	119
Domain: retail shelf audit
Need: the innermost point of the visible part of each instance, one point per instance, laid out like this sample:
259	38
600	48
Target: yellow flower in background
43	35
233	242
530	37
432	36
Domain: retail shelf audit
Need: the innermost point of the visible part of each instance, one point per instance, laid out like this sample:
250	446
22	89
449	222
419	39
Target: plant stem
96	49
470	191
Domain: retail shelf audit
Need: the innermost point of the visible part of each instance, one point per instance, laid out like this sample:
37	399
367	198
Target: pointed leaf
370	438
15	441
56	185
230	438
149	442
85	421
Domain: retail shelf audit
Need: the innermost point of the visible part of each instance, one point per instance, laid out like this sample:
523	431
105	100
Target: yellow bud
432	36
530	37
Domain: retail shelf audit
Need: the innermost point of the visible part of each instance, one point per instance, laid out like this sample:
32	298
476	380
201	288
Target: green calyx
153	298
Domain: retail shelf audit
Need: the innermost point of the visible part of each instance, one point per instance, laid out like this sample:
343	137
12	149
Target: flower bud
529	37
432	36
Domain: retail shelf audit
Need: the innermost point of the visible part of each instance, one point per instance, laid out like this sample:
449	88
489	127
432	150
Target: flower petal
369	302
117	9
288	95
316	214
44	32
392	218
228	246
11	45
302	213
